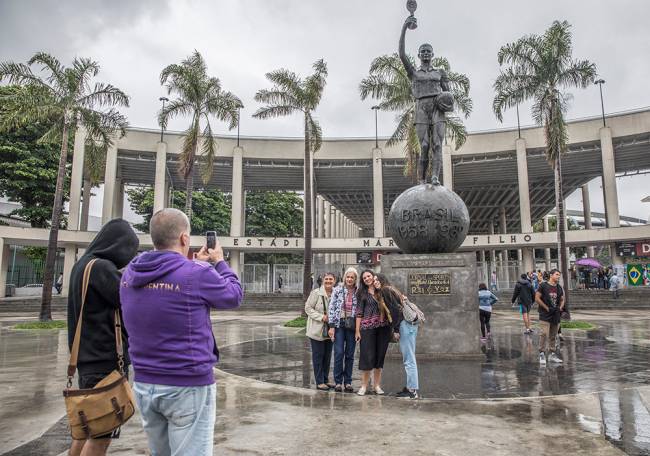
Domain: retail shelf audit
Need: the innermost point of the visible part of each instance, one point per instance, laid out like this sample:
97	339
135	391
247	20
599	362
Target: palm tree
388	82
198	96
63	98
539	68
292	94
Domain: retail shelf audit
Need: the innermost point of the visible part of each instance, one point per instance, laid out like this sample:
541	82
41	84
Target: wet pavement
596	403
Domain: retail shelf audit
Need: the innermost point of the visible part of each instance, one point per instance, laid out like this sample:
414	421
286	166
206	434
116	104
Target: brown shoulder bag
100	410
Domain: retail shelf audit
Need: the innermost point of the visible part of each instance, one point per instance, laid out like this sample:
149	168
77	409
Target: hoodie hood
523	281
115	242
151	266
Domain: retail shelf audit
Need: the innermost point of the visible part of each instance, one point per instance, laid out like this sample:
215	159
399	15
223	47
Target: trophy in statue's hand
411	21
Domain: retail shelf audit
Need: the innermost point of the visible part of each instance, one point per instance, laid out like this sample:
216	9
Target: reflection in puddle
626	421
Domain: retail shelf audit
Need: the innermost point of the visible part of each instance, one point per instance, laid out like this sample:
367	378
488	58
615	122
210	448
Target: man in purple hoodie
166	302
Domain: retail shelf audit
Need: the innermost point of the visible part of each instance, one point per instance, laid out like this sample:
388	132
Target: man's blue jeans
344	346
178	420
407	335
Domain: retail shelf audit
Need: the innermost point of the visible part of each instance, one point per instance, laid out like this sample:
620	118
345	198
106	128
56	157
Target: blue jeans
321	355
178	420
344	346
407	335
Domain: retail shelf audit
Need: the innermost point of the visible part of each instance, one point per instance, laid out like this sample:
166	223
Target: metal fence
256	278
20	275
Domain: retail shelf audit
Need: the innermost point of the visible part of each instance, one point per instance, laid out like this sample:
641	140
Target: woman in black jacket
114	247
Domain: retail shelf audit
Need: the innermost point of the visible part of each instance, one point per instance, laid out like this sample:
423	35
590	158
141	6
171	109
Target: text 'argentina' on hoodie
166	301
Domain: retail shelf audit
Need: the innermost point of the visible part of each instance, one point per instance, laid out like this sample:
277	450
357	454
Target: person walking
280	282
407	319
166	300
317	330
113	247
494	282
524	294
550	300
341	320
373	331
615	284
486	300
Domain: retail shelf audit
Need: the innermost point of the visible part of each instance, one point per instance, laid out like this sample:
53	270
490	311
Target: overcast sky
241	40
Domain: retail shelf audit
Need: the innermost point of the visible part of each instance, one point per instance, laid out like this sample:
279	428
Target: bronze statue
430	88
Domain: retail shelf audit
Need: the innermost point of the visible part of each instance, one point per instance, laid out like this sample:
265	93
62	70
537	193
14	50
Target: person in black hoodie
114	247
524	291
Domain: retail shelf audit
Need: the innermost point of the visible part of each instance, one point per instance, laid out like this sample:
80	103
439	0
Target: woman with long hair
342	311
317	331
373	330
406	318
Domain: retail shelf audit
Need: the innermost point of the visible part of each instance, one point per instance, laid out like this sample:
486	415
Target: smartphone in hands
211	239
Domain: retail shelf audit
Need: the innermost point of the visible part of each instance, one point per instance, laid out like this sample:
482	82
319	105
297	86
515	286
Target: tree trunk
85	205
561	228
48	273
306	276
189	184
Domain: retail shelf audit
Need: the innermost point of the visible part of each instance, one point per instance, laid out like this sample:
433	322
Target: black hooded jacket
114	247
524	291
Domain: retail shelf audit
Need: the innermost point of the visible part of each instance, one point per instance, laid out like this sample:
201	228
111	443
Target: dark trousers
374	343
484	316
344	346
321	355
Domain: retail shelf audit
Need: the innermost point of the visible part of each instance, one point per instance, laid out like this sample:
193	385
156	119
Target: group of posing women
369	311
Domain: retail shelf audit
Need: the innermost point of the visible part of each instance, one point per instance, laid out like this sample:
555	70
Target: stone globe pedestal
428	223
428	219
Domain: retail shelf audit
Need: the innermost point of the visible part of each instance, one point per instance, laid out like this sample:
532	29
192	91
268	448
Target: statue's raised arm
410	23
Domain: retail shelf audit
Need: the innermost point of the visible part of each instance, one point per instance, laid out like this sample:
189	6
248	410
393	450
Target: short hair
524	276
331	274
553	271
166	226
482	286
425	45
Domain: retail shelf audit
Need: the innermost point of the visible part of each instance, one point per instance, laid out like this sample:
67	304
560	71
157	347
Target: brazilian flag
635	275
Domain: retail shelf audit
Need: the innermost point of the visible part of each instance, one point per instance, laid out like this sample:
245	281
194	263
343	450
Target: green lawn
54	324
300	322
575	324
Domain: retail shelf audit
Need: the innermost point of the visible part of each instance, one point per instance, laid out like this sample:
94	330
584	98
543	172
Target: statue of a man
430	88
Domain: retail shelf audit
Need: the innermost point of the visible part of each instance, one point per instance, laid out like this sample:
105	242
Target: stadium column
586	213
504	253
110	175
547	250
327	228
493	254
447	168
76	178
237	207
378	193
74	207
118	203
159	185
528	254
610	192
4	265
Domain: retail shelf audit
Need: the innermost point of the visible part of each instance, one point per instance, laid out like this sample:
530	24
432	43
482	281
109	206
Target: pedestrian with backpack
525	295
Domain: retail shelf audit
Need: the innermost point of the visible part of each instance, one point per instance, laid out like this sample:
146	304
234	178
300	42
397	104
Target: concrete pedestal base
444	286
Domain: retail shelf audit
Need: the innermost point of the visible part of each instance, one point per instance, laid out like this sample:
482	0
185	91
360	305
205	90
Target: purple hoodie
166	301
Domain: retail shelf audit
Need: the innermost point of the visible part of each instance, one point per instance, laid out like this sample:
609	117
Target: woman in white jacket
317	326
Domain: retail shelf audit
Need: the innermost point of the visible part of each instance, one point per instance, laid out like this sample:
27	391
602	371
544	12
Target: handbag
325	330
100	410
411	312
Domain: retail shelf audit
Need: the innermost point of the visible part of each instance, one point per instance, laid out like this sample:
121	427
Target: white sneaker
379	391
553	358
362	391
542	359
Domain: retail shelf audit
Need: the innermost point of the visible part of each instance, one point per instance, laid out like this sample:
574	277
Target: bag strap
74	352
117	322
